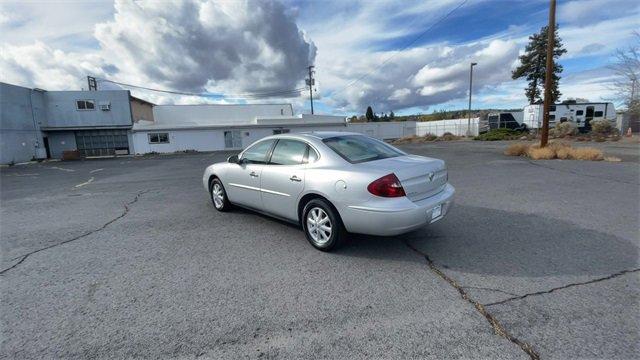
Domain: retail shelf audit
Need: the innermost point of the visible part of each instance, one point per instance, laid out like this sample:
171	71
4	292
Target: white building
221	127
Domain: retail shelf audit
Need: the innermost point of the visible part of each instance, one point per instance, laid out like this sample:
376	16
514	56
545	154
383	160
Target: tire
332	233
219	197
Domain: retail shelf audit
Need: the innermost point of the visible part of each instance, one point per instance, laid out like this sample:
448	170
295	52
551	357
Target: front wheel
219	196
322	225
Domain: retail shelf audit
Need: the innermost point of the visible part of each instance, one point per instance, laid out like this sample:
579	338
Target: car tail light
387	186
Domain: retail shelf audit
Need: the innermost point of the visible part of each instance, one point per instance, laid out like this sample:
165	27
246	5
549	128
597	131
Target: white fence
384	130
458	127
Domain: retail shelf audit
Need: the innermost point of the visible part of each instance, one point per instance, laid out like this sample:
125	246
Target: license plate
436	212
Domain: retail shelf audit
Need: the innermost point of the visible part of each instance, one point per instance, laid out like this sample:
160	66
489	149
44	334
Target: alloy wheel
218	195
319	226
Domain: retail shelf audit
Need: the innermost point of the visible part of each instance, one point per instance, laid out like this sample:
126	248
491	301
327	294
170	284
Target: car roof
327	134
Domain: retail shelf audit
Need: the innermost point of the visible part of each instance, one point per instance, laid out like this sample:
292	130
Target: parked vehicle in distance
503	120
332	183
580	113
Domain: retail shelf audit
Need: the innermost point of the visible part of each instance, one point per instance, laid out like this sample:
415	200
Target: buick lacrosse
332	183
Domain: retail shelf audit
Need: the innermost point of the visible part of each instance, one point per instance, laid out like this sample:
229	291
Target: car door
283	178
243	179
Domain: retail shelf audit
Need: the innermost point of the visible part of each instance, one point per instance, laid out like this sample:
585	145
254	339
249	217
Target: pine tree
369	114
533	66
392	116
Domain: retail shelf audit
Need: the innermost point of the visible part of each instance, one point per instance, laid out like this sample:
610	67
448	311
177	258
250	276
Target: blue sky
359	48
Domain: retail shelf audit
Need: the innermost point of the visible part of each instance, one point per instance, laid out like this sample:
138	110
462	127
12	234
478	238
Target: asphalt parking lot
126	257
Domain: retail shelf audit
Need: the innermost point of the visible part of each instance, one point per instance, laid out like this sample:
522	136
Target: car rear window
358	149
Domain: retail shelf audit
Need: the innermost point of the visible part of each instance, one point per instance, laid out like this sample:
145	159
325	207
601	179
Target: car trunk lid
421	177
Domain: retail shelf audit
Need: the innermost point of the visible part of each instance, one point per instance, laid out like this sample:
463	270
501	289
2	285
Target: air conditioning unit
105	105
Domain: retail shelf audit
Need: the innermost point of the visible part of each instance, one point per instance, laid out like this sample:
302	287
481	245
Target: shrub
537	153
448	137
564	129
499	134
602	127
587	153
518	149
415	139
556	150
563	153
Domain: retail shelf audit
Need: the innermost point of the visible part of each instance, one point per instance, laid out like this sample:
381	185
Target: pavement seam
520	297
124	213
495	325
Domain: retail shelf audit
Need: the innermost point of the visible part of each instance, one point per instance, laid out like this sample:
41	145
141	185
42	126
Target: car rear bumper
388	221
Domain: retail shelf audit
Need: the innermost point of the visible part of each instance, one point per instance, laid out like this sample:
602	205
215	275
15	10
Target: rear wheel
219	196
322	225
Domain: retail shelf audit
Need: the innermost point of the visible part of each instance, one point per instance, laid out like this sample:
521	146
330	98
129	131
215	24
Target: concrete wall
61	109
21	111
60	141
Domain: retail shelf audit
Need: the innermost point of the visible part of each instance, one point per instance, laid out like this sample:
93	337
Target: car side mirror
233	159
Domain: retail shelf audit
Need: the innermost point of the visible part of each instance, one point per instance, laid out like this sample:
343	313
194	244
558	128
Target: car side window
257	154
288	152
313	155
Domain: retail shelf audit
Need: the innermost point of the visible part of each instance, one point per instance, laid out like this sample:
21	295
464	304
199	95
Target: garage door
102	142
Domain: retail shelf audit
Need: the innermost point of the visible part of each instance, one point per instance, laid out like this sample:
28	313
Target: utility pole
311	82
93	85
548	77
470	87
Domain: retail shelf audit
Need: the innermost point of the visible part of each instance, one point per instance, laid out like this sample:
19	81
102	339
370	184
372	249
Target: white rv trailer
580	113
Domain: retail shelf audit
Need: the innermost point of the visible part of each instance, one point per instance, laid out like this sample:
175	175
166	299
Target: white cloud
406	82
601	37
586	12
226	47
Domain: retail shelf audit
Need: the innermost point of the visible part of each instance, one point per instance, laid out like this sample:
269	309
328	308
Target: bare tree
626	67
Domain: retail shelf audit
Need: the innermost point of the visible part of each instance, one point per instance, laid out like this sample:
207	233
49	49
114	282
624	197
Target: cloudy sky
410	57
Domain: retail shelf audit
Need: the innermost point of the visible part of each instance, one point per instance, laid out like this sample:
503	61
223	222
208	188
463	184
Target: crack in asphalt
490	289
520	297
124	213
495	325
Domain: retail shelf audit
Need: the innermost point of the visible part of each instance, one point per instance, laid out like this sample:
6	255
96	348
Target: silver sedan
332	183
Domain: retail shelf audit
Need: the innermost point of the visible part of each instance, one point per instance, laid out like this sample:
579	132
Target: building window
598	114
552	108
85	105
552	117
579	112
280	131
159	138
232	139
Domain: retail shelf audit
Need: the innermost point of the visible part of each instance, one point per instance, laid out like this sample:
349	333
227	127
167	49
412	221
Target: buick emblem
430	176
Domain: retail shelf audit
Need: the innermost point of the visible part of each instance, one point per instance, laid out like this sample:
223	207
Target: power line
402	49
275	93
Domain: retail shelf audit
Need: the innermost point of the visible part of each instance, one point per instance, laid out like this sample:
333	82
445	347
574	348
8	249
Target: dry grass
587	153
537	153
556	150
517	149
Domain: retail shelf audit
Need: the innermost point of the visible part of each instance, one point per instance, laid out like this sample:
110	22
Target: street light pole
470	87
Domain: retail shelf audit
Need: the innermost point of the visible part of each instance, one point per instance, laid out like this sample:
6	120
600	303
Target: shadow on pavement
493	242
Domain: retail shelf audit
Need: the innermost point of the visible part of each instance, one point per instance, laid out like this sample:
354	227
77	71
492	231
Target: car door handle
295	178
253	174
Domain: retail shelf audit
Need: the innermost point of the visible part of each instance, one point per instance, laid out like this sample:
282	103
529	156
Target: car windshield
357	148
